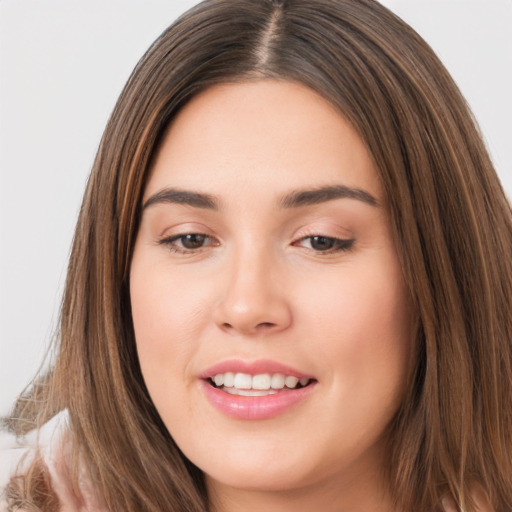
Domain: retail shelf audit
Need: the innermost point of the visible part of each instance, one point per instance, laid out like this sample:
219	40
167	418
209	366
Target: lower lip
255	407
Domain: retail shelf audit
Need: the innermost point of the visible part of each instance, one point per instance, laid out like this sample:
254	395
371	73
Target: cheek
168	316
362	321
163	307
363	298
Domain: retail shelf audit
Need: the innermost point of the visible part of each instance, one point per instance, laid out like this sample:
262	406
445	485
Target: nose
253	299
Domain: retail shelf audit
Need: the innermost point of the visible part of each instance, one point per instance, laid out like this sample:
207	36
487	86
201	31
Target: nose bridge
254	299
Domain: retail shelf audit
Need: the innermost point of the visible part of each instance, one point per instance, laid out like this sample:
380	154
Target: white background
63	64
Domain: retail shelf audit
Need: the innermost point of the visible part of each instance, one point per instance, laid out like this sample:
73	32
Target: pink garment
53	442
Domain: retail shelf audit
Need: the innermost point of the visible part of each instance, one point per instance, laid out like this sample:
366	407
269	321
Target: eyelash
338	244
170	242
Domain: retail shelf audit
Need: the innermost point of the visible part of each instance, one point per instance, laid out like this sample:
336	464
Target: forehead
269	133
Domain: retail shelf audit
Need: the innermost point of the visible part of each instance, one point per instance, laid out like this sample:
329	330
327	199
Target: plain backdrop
62	65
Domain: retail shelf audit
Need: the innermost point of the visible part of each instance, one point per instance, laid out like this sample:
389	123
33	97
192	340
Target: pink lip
257	407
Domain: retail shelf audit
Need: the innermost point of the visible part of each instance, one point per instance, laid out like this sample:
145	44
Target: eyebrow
294	199
323	194
186	197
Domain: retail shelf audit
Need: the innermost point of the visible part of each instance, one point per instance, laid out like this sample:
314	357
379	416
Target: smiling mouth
244	384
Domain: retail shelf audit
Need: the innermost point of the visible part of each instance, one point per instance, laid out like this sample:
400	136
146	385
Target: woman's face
265	259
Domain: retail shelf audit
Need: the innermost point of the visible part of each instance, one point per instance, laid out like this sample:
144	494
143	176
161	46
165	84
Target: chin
252	478
260	468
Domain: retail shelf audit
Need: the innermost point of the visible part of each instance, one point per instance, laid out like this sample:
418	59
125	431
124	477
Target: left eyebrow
300	198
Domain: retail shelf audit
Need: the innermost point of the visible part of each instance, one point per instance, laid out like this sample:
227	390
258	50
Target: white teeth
277	381
229	379
262	382
291	382
243	381
250	392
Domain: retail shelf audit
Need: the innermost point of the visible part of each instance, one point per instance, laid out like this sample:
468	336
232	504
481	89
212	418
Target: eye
188	242
325	244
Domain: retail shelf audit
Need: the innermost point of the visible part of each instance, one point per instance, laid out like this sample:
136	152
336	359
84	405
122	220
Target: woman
290	284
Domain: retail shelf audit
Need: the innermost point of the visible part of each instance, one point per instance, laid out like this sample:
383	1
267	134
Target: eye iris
321	243
193	241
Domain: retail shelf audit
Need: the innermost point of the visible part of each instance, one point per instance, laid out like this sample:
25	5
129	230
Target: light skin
241	165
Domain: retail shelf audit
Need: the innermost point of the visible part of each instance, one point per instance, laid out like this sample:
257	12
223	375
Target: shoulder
17	453
52	444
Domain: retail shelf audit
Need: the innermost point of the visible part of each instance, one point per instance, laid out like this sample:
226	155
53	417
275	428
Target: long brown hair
452	227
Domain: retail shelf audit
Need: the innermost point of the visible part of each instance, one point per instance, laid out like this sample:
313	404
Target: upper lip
252	368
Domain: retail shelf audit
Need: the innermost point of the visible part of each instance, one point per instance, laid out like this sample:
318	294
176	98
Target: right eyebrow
177	196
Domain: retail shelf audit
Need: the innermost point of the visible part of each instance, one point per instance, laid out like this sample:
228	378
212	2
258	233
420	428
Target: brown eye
322	243
325	244
193	241
188	243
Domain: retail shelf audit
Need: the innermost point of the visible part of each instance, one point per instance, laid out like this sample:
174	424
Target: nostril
265	325
262	326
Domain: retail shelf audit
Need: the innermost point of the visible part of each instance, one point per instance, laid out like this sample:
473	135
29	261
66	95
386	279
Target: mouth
263	384
255	391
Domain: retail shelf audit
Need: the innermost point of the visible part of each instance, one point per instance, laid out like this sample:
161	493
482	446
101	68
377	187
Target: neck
335	496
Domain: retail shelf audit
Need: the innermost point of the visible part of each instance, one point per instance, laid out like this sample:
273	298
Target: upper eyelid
322	233
172	238
340	245
177	236
301	234
319	235
329	228
180	228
